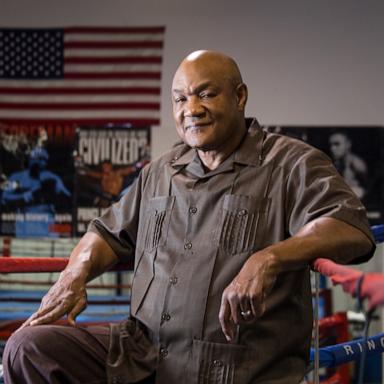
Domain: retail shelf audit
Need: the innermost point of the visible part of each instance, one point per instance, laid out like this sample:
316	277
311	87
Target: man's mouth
196	125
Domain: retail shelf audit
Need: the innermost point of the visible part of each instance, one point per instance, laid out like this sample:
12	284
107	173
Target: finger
246	316
246	313
27	322
50	316
227	326
258	306
76	310
243	303
234	305
40	312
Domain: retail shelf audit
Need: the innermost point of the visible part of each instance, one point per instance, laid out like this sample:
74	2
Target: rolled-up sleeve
315	189
118	224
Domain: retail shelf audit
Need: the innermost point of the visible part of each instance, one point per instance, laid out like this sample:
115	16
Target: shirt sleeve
315	189
118	225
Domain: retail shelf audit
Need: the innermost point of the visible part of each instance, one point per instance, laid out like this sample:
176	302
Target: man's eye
207	95
179	99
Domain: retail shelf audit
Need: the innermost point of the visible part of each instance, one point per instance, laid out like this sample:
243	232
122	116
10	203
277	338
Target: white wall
305	61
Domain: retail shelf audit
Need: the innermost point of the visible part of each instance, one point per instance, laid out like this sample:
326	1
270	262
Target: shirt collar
250	150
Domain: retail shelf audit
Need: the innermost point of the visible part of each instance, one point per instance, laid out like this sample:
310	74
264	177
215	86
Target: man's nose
193	107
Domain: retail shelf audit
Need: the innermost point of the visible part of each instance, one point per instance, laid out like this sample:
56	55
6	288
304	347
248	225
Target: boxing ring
332	359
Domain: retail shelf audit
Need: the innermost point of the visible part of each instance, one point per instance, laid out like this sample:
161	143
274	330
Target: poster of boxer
107	161
356	153
36	180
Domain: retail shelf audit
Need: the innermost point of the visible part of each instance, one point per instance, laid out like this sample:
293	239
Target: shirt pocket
221	363
157	219
241	223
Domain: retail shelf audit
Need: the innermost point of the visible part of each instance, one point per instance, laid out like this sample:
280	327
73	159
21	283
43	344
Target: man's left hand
243	301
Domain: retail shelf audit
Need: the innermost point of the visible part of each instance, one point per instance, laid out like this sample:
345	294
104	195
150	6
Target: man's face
106	167
206	106
339	145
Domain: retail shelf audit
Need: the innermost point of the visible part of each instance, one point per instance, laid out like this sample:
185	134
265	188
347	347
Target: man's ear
242	96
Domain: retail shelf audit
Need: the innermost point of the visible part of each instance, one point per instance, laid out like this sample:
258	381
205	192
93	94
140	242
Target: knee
28	342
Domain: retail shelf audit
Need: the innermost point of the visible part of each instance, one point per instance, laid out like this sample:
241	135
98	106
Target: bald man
223	229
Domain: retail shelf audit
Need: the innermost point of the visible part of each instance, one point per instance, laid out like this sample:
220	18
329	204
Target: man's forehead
195	85
199	77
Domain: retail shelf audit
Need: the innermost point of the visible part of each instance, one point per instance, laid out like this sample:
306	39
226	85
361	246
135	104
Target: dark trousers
57	355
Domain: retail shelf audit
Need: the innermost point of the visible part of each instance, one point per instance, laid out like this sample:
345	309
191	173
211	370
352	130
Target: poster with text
357	155
107	161
36	180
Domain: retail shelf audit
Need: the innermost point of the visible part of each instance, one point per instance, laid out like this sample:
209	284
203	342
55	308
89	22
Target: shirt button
242	212
192	210
217	363
173	280
166	316
163	352
188	245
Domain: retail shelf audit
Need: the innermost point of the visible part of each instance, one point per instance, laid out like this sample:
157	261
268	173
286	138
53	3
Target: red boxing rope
372	285
32	264
41	264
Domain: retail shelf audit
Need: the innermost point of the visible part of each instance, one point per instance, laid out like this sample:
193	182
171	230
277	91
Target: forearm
323	238
91	257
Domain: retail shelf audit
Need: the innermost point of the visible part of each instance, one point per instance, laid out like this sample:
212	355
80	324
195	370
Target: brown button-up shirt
191	232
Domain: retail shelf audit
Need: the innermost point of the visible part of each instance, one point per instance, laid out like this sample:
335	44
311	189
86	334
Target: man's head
38	160
38	157
340	145
209	97
106	166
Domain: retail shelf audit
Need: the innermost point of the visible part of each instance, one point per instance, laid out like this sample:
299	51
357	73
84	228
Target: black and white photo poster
356	153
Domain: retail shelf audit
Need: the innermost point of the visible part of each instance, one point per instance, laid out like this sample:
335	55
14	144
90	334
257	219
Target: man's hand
91	257
66	297
243	301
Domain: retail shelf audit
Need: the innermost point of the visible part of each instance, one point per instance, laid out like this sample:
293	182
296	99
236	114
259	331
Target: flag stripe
79	90
115	30
81	114
78	106
113	75
81	98
113	60
108	73
108	68
107	53
81	121
68	83
112	44
84	37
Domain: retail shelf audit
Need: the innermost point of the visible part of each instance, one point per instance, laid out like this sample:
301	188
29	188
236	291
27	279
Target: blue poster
36	180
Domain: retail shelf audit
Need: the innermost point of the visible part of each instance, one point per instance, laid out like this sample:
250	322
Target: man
34	194
224	228
351	166
111	181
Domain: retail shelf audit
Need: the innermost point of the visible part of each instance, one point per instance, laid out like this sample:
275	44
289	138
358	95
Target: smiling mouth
196	125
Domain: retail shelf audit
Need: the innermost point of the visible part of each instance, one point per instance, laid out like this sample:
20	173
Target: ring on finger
246	314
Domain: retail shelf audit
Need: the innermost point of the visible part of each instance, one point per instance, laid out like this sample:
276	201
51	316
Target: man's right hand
91	257
67	296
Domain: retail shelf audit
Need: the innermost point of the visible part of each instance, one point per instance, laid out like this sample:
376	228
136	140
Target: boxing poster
107	161
357	155
36	180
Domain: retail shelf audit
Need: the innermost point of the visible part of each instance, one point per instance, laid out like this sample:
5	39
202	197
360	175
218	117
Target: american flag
81	75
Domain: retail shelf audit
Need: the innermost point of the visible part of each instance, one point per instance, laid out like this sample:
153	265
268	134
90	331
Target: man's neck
211	159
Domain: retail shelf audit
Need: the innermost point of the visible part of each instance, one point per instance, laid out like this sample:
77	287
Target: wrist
271	259
75	273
